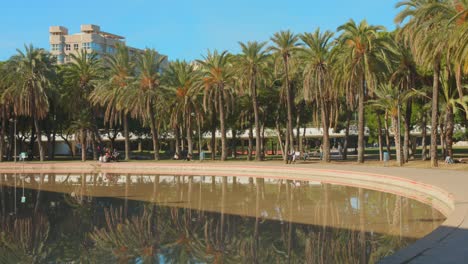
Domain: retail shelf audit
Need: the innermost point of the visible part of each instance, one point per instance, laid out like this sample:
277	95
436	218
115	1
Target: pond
113	218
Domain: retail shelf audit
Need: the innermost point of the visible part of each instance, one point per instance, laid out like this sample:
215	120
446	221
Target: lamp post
14	136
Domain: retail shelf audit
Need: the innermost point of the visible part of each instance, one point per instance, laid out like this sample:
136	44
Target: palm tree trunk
253	91
407	124
449	127
126	136
54	141
234	143
250	147
442	139
83	145
298	132
177	140
182	140
396	135
39	139
213	132
346	138
188	131
387	137
423	137
11	141
361	121
379	133
326	138
32	139
289	102
222	121
154	134
280	143
2	133
434	114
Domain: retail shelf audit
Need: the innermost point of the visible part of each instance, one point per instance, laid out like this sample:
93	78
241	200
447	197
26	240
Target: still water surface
112	218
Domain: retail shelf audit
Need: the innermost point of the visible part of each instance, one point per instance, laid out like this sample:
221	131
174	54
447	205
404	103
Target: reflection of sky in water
354	201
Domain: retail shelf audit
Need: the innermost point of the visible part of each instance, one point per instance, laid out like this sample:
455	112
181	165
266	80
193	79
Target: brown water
111	218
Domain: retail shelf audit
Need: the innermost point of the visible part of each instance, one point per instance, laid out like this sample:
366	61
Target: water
111	218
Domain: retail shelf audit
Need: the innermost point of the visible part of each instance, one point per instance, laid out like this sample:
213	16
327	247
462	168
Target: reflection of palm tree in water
127	239
24	240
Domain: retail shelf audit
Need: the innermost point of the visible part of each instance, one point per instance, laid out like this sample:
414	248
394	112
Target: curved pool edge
446	244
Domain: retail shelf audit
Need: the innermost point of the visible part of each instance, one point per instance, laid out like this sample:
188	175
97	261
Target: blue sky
183	29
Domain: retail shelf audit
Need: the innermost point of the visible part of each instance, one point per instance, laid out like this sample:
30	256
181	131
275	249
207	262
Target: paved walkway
447	244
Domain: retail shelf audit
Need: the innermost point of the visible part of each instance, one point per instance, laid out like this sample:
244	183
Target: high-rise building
90	38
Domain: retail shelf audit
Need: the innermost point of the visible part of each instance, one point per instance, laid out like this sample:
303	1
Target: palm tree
251	64
30	79
318	84
403	74
140	99
389	99
285	44
4	107
109	93
361	48
82	128
216	76
425	32
450	105
81	76
180	81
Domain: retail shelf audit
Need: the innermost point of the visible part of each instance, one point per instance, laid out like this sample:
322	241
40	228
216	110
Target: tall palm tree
251	63
285	45
318	84
180	81
120	71
4	107
81	77
402	73
30	79
425	32
361	48
216	76
450	104
140	98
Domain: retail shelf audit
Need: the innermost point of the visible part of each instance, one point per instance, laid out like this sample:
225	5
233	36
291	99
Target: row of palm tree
319	75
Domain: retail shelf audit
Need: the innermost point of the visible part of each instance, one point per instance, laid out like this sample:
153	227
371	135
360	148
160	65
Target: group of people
107	155
449	160
183	155
293	156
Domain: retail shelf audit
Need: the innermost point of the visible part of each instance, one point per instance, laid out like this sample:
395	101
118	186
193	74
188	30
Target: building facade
90	38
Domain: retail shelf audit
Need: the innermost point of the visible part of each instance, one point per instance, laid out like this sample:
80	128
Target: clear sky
183	29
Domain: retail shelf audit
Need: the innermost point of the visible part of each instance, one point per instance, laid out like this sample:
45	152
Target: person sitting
449	160
296	156
107	157
176	156
289	158
189	157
